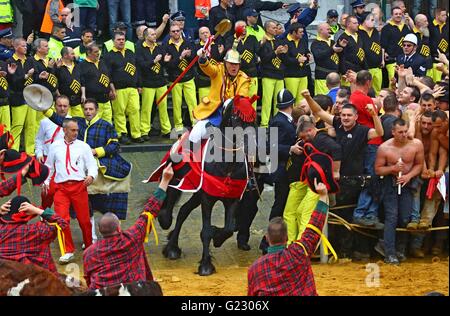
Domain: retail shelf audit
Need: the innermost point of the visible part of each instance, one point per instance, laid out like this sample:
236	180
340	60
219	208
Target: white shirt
80	165
46	130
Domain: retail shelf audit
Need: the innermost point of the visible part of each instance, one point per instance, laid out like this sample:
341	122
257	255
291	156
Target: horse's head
238	112
238	119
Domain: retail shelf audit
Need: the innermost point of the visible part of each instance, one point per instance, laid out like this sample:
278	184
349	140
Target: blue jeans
88	18
125	12
415	214
143	12
367	207
397	210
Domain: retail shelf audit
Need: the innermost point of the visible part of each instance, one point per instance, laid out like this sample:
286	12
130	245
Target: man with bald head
120	256
202	81
333	81
325	52
423	37
140	34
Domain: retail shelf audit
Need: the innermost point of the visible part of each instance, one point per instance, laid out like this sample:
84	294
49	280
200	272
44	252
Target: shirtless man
398	154
437	162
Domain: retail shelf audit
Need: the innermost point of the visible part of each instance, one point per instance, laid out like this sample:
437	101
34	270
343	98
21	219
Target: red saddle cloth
189	174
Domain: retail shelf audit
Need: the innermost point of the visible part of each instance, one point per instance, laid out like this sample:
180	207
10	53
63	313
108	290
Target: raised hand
12	68
321	188
4	209
30	209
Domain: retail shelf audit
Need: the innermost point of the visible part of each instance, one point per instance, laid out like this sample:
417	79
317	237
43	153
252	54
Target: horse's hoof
165	219
206	269
172	253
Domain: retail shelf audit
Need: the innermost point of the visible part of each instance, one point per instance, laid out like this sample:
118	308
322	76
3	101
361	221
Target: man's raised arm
316	109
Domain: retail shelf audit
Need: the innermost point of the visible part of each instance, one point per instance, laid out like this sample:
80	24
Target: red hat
14	162
320	166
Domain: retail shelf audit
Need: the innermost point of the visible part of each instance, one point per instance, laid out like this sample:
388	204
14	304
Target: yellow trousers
5	117
320	87
253	90
188	89
391	71
203	92
76	111
434	73
105	111
295	86
23	119
270	88
125	104
300	205
148	96
377	79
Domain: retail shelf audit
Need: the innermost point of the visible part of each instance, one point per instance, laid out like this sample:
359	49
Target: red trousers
74	193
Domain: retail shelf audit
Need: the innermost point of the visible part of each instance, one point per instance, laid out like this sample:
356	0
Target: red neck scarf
68	161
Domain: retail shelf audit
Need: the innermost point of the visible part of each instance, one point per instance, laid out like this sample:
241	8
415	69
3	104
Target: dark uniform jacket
326	59
151	72
248	48
4	91
353	56
272	65
417	63
69	80
95	78
296	49
41	65
286	138
423	47
439	38
371	45
176	66
17	81
122	68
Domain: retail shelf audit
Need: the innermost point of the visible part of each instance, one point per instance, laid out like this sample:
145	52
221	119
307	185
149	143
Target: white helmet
412	38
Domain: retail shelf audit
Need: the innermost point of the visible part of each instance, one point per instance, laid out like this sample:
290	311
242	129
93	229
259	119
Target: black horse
220	173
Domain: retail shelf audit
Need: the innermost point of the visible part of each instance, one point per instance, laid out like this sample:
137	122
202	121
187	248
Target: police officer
332	20
6	49
410	57
359	10
179	18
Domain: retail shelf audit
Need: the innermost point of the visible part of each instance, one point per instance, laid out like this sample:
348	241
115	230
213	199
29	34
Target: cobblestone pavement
226	256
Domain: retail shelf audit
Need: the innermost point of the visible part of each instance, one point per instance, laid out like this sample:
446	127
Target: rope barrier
357	228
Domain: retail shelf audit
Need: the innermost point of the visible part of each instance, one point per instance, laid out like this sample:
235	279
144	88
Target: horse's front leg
227	231
171	250
206	267
165	214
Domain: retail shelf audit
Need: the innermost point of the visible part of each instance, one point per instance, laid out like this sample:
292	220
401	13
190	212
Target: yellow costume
222	88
